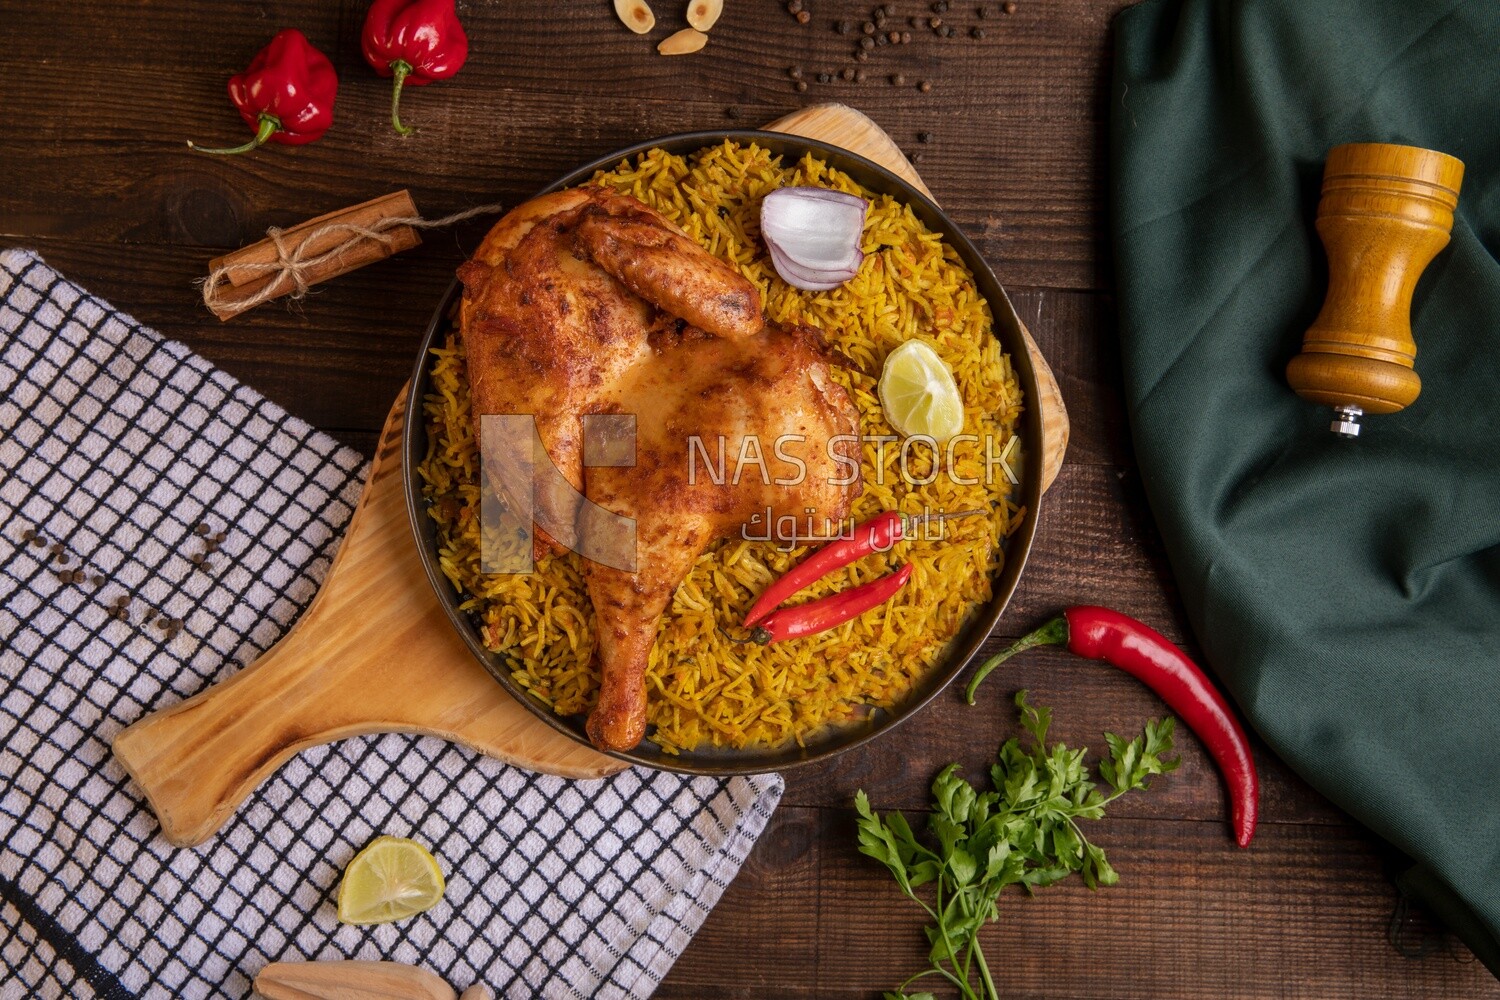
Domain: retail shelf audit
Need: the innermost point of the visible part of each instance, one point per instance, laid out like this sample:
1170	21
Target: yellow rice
704	689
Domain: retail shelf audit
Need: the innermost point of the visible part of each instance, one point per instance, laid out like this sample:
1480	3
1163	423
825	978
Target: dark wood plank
1303	914
527	108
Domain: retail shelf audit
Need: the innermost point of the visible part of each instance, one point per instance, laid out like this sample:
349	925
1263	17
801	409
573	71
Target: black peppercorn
940	6
897	79
977	32
1010	7
795	72
800	86
38	542
868	28
794	6
845	27
867	43
804	17
825	78
983	11
847	73
906	38
947	31
859	76
924	136
934	23
882	40
925	86
861	56
200	528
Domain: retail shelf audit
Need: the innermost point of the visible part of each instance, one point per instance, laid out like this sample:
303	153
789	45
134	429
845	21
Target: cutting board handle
374	653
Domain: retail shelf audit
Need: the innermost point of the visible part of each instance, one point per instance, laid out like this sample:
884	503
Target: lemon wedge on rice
391	879
918	393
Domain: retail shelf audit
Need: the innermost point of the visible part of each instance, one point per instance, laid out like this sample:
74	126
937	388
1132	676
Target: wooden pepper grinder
1385	212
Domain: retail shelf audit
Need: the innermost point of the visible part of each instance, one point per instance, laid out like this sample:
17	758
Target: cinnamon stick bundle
265	270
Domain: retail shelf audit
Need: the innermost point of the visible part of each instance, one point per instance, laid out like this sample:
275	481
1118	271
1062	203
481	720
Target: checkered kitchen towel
114	445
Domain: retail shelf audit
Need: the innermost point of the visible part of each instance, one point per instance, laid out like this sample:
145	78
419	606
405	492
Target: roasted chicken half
589	302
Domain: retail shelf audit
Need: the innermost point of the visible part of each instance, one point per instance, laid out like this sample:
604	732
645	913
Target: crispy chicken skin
586	301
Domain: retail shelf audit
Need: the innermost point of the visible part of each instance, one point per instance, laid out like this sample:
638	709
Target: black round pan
963	646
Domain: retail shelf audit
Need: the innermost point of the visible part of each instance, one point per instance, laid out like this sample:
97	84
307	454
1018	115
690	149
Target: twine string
293	264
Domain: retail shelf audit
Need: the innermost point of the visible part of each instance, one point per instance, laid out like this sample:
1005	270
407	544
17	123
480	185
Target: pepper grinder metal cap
1385	212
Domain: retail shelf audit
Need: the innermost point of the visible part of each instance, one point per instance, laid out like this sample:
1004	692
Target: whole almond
636	15
350	981
685	41
703	13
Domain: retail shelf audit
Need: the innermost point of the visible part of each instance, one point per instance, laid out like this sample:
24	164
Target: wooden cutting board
375	653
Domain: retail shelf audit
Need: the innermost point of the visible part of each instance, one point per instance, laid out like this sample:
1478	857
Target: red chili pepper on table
1101	634
877	534
286	94
826	612
415	41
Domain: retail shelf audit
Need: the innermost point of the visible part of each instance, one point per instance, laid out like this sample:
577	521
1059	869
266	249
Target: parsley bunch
1024	832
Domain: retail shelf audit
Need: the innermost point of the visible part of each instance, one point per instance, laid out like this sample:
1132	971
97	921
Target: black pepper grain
197	558
794	6
925	86
867	43
825	78
978	32
947	31
859	76
1010	7
800	86
862	56
848	73
894	36
924	136
795	72
844	27
163	622
983	11
916	158
201	528
934	23
38	542
868	27
940	6
731	112
28	534
897	79
882	40
804	17
98	580
906	38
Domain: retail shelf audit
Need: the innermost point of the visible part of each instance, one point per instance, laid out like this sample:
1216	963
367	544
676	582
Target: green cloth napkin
1346	592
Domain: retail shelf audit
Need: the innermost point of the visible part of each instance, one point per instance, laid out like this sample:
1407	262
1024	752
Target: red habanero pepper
286	94
415	41
877	534
826	612
1101	634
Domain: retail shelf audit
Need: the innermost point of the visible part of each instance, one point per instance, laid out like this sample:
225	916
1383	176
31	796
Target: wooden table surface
97	99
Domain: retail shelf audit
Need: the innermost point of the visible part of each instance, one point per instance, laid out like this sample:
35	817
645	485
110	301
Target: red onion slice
809	279
813	235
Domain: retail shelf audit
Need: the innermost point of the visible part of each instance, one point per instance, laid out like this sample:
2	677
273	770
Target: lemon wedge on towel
391	879
918	393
